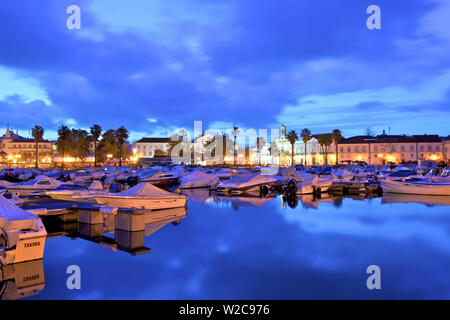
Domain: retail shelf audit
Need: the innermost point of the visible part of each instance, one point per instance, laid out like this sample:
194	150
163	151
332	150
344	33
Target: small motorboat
309	184
302	185
198	179
142	196
22	234
72	192
247	182
162	179
40	183
424	187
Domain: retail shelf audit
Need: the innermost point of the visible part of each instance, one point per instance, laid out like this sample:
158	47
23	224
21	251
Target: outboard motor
175	189
291	187
115	187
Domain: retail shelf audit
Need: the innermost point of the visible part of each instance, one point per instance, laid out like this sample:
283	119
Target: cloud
235	62
389	106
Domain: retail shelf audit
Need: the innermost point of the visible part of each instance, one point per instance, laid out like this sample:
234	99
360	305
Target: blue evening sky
157	65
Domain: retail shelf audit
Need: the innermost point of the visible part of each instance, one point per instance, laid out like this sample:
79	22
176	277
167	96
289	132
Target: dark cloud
243	69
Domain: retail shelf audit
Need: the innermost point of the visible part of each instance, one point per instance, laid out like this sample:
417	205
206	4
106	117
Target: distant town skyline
157	66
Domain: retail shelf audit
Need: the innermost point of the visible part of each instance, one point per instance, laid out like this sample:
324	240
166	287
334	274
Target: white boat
198	179
424	187
342	175
40	183
142	196
73	192
22	234
302	185
247	182
308	184
161	179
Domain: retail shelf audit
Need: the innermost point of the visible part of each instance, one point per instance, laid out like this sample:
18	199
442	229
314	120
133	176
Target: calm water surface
246	248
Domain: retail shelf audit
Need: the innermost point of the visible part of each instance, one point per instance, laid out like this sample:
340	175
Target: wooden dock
355	187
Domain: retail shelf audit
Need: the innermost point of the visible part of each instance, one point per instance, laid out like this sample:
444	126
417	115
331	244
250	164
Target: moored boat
142	196
22	234
247	182
40	183
424	187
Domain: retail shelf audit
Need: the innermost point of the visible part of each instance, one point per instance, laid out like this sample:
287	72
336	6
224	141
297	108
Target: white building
152	147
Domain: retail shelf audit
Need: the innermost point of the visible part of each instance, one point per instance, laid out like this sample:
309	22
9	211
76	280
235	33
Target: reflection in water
21	280
129	236
212	198
26	279
300	253
310	201
413	198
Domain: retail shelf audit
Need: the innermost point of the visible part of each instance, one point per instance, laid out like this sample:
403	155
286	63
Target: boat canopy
15	218
197	175
96	185
42	180
144	190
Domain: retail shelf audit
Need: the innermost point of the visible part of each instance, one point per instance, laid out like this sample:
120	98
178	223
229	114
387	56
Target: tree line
76	143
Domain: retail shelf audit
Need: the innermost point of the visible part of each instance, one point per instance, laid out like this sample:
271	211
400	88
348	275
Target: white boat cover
145	190
96	185
197	179
246	180
52	182
15	218
4	183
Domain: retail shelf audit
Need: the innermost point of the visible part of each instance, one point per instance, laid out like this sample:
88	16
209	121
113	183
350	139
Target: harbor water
268	248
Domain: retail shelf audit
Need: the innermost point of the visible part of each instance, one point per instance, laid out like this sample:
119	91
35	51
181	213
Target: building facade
384	149
314	154
19	150
152	147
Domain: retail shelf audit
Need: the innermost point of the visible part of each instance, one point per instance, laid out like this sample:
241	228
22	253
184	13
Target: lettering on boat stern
32	244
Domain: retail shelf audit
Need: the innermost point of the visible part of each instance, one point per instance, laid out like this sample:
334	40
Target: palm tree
38	134
235	133
337	136
325	141
122	136
63	133
306	136
292	137
96	132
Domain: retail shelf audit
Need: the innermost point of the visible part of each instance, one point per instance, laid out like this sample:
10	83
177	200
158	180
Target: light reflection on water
269	248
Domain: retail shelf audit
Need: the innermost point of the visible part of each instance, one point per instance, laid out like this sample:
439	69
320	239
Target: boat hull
415	188
27	191
141	202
